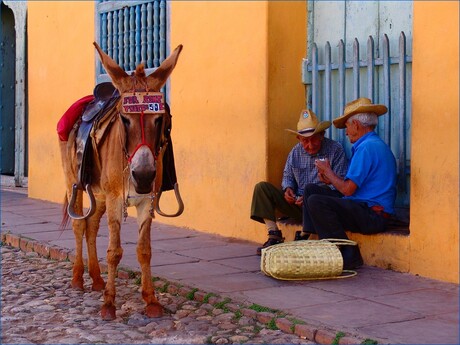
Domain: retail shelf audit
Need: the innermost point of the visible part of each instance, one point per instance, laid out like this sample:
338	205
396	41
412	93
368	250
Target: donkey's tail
65	215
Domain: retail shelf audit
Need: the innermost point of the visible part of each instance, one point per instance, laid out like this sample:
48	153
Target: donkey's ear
158	78
116	73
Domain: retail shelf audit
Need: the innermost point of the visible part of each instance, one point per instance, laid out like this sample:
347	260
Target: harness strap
143	142
163	145
159	172
159	180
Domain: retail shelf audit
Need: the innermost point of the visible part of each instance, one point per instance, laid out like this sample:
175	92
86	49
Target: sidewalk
377	304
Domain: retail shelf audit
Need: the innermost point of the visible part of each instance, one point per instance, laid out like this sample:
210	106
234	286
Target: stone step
388	250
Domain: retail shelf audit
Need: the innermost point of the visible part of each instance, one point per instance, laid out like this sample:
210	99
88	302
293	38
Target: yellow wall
225	93
236	87
286	93
234	91
60	70
218	99
435	146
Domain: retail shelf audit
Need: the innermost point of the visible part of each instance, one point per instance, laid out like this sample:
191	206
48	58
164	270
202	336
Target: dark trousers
267	199
312	189
330	216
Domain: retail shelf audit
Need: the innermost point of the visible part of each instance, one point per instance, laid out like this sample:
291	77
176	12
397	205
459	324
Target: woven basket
305	260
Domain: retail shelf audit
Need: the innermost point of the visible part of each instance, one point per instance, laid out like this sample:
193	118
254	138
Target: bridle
142	110
143	142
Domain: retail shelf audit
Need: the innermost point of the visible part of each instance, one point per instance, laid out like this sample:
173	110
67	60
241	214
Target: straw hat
308	124
360	105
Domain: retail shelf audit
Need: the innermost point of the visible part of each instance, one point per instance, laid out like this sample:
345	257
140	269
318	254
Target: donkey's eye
126	121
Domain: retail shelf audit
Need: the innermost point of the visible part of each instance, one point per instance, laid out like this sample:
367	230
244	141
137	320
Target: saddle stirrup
179	202
71	206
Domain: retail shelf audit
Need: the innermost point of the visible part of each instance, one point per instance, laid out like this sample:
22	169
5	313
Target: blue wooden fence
384	79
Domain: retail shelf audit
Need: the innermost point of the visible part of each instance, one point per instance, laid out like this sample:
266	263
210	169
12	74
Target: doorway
7	91
13	92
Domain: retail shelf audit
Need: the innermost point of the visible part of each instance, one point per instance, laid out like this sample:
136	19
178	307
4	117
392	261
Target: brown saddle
105	98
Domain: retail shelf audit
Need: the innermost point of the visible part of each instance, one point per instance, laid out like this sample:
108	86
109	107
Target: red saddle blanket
65	124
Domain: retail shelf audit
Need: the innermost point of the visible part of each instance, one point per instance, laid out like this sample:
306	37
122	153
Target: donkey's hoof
98	285
77	284
154	310
108	312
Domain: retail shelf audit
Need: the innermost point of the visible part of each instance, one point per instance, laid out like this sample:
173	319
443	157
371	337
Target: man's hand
323	166
327	175
290	196
323	179
299	201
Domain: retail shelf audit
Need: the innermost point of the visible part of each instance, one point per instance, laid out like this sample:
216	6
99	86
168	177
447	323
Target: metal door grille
131	32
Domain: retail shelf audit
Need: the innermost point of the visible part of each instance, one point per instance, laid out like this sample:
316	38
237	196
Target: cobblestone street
212	288
40	307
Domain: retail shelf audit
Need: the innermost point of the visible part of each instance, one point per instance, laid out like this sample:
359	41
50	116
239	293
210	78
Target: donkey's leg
79	228
144	254
92	228
114	254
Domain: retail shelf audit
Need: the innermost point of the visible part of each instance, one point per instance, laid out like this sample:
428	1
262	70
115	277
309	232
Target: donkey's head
143	113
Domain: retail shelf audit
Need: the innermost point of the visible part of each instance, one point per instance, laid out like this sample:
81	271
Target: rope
144	142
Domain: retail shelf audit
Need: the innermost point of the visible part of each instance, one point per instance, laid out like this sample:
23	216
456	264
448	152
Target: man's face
311	144
351	130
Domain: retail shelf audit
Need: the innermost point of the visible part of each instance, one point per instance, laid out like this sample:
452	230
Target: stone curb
278	319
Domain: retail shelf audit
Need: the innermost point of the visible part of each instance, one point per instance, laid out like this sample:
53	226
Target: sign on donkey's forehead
146	102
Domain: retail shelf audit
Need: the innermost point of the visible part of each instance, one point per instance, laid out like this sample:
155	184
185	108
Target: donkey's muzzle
143	181
143	170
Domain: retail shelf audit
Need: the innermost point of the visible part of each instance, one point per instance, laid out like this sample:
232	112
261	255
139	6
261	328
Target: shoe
274	237
301	236
352	258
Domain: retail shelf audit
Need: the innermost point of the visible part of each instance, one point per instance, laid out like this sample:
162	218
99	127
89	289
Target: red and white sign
147	102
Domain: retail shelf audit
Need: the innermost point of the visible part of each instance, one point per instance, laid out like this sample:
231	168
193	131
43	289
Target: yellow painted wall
234	91
218	99
60	70
286	93
236	87
238	82
435	141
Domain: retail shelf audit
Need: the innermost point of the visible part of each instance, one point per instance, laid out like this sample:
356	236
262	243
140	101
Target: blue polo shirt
373	169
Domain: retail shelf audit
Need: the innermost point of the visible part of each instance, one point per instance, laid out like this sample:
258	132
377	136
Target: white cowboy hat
360	105
308	124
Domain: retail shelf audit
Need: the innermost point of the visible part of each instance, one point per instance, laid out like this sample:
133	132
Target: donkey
126	162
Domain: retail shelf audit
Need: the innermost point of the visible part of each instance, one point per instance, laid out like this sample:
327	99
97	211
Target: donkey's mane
140	71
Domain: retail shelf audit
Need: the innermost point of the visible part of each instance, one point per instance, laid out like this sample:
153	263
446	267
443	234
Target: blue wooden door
7	91
345	27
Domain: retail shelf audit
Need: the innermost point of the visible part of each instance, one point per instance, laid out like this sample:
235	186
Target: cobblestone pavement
39	306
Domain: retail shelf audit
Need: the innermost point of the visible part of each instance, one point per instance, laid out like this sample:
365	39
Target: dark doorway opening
7	91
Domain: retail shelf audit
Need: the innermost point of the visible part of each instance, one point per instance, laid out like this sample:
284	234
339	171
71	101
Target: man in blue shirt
298	172
369	186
